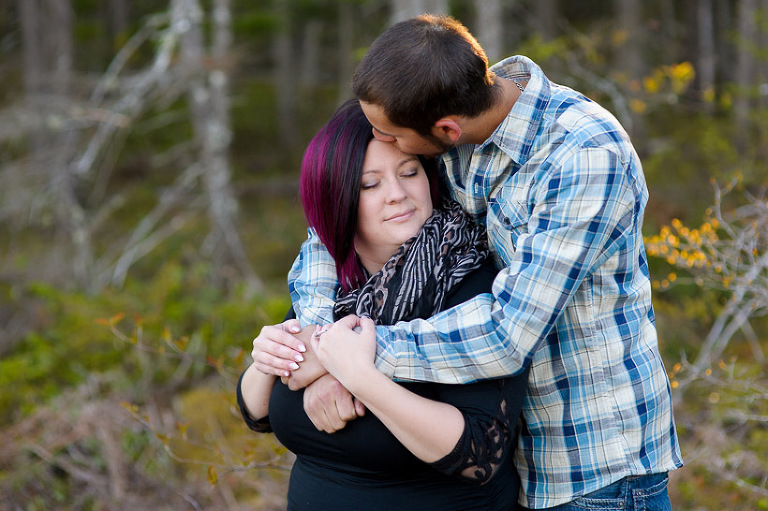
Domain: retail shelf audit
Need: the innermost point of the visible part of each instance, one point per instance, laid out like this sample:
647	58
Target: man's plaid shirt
562	194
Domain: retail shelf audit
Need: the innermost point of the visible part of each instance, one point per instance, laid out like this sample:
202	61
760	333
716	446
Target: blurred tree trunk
345	28
725	50
490	29
285	75
406	9
630	53
630	21
745	61
208	91
47	47
545	18
706	52
763	74
669	30
310	54
118	12
48	56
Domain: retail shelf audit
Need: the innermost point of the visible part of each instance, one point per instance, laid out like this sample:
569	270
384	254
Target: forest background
149	156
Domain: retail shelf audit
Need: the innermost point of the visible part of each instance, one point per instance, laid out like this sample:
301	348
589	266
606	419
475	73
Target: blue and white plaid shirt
562	194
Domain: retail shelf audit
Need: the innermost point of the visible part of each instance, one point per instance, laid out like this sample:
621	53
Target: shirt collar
517	131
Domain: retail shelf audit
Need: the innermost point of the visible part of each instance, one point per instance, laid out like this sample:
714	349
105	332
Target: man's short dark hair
423	69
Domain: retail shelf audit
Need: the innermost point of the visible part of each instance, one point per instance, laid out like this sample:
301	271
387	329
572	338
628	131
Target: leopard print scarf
415	281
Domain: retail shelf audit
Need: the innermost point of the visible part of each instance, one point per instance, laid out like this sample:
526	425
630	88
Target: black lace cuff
452	463
485	442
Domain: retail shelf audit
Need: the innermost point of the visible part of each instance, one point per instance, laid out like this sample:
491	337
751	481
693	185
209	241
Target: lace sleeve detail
485	443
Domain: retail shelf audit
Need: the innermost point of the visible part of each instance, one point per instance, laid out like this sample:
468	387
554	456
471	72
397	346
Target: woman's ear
448	127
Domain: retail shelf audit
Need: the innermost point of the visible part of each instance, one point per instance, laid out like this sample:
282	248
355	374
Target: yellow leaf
129	406
182	343
683	71
638	106
651	84
618	37
213	477
708	95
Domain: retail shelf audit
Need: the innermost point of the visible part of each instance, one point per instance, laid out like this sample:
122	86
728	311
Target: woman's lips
401	217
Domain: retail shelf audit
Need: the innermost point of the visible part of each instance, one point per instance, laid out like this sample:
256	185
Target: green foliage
75	344
543	51
59	355
250	22
721	423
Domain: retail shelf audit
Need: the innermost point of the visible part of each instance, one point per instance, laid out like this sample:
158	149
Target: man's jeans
634	493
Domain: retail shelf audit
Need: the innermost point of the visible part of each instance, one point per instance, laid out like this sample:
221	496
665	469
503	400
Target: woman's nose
395	191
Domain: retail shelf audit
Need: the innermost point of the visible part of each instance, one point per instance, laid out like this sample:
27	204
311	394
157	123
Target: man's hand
309	370
329	405
279	348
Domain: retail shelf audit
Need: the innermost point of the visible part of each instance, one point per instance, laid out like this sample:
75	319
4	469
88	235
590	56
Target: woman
425	446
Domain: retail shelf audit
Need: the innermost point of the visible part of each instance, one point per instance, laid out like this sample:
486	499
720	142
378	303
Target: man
560	189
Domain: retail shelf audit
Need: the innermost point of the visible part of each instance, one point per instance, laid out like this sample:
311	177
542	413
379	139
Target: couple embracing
479	332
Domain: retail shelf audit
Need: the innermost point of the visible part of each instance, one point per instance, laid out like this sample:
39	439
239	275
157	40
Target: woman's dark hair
423	69
331	173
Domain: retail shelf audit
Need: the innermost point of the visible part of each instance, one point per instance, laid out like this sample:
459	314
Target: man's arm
312	283
583	212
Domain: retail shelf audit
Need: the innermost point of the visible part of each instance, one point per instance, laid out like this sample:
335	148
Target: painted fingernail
294	366
286	374
302	348
299	358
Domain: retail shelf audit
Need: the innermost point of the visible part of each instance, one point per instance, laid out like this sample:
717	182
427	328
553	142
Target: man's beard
443	147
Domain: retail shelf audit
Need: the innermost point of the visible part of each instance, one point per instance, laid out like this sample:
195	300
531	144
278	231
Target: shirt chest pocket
508	216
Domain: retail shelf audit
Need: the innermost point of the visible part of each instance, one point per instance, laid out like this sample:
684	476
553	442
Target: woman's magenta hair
331	173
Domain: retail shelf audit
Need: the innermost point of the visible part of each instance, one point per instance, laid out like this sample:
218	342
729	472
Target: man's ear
448	127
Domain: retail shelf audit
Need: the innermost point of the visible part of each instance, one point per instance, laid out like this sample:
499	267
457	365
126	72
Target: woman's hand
429	429
347	349
279	349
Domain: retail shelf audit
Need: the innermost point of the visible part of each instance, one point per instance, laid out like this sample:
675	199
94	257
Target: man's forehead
374	112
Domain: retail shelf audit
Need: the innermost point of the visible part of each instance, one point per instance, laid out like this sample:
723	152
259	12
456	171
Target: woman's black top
364	467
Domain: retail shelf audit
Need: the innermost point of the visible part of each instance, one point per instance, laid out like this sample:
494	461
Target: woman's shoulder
477	282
